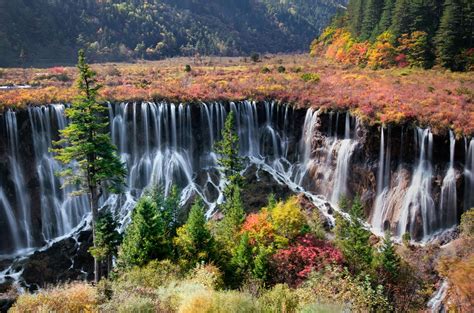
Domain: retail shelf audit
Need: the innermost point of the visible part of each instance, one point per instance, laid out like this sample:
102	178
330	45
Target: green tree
449	36
353	240
194	241
168	206
402	18
261	260
145	238
386	17
355	11
228	153
388	260
107	239
90	158
272	201
372	13
228	228
242	260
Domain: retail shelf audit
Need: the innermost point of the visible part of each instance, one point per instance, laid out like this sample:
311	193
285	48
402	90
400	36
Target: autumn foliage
399	94
294	264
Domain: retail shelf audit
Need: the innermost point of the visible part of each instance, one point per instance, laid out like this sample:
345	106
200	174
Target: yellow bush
288	218
76	297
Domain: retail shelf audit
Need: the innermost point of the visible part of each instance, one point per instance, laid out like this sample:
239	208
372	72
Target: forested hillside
44	32
420	33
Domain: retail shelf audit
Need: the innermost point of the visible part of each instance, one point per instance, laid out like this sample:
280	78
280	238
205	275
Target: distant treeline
43	32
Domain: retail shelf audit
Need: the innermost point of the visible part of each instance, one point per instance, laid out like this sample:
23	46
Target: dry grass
76	297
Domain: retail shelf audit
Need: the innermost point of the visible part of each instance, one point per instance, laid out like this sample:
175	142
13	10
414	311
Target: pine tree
401	19
169	207
85	146
448	38
355	11
372	13
386	17
353	240
194	241
145	238
388	259
228	227
107	239
228	152
242	259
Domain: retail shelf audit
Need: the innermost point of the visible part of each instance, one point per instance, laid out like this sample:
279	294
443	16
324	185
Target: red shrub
293	265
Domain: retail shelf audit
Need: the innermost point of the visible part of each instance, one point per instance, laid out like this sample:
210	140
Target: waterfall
23	216
469	176
382	200
166	144
435	304
344	155
448	200
418	202
59	213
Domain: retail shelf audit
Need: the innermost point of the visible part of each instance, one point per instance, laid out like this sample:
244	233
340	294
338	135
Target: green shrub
310	77
281	69
336	286
406	237
255	57
467	223
187	68
265	70
153	275
207	275
233	301
279	299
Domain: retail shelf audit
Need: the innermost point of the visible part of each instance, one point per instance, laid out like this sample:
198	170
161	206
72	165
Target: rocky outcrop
66	260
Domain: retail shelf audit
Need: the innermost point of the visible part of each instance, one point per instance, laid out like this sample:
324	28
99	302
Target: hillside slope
45	32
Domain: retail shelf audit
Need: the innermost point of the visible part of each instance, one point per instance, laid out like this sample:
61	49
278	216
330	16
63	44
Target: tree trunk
94	202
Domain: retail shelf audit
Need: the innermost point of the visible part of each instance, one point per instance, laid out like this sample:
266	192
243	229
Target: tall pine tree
449	36
355	11
401	19
372	13
386	17
86	148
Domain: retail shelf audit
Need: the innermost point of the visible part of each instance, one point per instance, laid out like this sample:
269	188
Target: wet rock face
258	185
64	261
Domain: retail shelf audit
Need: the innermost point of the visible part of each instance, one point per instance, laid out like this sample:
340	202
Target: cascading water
469	176
59	212
20	230
418	202
331	160
448	200
166	144
381	207
343	163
